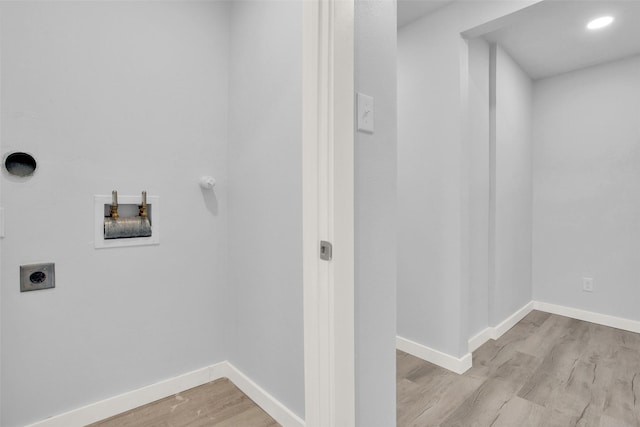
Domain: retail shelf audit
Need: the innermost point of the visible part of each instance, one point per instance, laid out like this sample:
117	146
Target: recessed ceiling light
600	22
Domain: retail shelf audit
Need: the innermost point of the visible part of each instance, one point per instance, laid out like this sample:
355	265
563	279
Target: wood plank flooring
546	371
216	404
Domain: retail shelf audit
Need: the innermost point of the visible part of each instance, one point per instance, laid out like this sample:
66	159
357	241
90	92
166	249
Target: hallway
548	370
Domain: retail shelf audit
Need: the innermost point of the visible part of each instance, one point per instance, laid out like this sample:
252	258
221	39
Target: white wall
126	96
586	186
429	183
511	210
479	185
438	241
265	195
375	217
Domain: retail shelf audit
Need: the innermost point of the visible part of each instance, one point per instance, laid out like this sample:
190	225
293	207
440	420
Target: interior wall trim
480	338
459	365
272	406
574	313
589	316
126	401
328	211
495	332
510	322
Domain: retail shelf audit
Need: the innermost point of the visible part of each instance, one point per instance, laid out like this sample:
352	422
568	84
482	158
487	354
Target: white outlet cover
365	113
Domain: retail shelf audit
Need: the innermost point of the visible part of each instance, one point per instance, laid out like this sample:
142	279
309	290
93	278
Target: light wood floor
217	404
546	371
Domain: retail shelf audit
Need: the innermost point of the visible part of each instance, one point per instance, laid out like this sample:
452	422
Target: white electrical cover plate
365	113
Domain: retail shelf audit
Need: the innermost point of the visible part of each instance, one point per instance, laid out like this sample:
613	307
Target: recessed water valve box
34	277
130	229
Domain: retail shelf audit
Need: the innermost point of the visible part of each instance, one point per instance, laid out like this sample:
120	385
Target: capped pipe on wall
207	182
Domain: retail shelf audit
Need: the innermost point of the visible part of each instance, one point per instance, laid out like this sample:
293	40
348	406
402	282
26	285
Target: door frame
328	212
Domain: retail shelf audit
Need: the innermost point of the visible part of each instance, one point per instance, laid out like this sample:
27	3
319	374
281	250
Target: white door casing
328	212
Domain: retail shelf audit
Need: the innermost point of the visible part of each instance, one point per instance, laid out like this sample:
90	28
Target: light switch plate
365	113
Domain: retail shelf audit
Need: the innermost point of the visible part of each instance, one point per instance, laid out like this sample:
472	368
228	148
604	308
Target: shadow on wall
210	200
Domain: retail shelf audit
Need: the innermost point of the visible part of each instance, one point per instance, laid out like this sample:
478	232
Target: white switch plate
365	113
587	284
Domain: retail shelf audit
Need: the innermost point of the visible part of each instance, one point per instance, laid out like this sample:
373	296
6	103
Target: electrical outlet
587	284
35	277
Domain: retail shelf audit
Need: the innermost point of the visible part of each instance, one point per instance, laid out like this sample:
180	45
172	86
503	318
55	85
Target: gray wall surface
442	262
586	208
112	95
375	217
479	185
429	183
265	195
512	189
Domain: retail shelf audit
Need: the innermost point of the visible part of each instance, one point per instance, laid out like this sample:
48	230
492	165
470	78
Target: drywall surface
437	241
586	186
479	185
512	188
429	187
125	96
265	195
1	237
375	216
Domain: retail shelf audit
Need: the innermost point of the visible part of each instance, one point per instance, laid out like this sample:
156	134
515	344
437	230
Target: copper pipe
143	206
114	204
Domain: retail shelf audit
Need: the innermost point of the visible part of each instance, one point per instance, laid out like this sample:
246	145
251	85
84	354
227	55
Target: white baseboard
117	404
511	321
124	402
460	365
480	338
589	316
495	332
454	364
263	399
